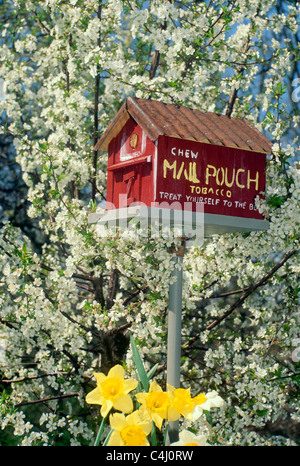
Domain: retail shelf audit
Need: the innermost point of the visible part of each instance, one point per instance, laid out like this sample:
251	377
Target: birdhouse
174	158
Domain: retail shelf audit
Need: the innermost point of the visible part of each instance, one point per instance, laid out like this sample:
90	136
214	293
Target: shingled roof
157	118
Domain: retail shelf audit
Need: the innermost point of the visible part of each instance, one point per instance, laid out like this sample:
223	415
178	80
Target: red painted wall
181	174
125	177
226	180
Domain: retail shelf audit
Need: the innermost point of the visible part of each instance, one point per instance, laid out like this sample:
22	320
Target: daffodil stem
165	436
107	438
153	435
100	432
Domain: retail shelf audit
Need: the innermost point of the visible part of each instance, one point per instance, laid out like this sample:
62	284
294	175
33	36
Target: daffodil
155	403
188	439
112	391
204	402
181	403
131	430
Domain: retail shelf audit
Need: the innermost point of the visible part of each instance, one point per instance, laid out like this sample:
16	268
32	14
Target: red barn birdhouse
170	157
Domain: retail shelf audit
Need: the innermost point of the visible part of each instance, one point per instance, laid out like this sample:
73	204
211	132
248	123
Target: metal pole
174	336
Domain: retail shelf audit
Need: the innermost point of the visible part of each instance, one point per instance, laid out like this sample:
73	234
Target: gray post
174	336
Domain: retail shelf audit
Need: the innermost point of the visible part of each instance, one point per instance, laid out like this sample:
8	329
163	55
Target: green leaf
153	435
275	200
139	365
152	372
43	145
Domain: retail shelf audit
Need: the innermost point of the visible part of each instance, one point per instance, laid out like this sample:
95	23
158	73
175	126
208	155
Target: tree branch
112	288
248	292
45	400
34	377
251	289
154	64
234	92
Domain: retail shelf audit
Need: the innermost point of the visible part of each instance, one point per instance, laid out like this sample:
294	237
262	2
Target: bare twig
34	377
249	290
45	400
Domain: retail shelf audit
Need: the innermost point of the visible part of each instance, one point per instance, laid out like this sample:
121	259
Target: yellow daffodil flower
199	399
188	439
155	403
131	430
204	402
181	403
112	391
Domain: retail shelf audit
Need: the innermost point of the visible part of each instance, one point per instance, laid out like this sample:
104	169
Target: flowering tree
66	308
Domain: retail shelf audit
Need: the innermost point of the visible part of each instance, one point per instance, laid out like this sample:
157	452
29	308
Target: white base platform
208	224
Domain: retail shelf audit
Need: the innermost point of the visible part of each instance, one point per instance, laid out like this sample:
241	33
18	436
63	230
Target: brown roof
157	118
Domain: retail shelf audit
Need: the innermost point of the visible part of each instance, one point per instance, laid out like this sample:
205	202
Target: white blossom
54	303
